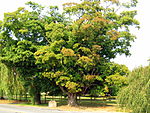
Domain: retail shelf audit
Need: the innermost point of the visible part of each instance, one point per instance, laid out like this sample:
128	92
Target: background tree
21	33
79	50
114	77
136	96
117	77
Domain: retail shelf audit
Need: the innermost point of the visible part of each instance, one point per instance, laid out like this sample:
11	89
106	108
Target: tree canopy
22	32
73	49
79	51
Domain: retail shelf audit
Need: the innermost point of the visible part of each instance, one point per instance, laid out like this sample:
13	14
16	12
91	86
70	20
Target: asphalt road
10	108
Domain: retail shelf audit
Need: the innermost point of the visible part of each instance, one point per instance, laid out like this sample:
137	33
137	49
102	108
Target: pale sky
140	48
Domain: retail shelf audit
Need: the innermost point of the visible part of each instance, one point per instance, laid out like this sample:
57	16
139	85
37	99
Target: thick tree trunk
72	99
35	96
38	98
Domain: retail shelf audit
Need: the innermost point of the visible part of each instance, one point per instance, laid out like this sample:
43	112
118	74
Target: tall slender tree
136	95
10	84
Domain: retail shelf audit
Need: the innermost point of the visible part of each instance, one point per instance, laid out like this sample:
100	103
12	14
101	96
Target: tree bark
72	99
35	96
38	98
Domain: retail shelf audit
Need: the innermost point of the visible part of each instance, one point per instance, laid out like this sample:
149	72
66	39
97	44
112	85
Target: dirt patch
89	109
10	102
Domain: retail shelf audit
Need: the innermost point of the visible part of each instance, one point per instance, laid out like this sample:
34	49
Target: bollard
52	104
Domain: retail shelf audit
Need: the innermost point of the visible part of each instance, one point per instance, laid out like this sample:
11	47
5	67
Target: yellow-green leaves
57	45
23	31
43	57
85	62
67	52
113	1
1	23
72	87
113	34
89	77
55	31
96	48
85	59
116	80
76	45
57	74
85	50
48	74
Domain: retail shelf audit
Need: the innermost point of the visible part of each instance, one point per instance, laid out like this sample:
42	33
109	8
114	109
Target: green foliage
115	82
22	33
115	77
79	53
114	68
98	90
136	96
10	83
109	29
73	54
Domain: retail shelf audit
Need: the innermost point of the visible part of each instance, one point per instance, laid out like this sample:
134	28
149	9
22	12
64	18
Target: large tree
80	50
21	33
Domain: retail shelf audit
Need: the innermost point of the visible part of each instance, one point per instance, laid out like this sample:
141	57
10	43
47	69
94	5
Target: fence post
45	98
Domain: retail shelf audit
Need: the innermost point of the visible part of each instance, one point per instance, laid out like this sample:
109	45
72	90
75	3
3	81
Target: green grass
84	102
